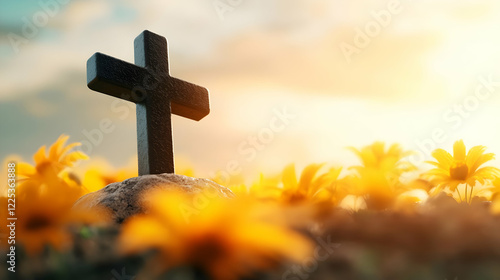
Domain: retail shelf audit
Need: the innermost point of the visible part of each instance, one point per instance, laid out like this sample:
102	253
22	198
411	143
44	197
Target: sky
289	81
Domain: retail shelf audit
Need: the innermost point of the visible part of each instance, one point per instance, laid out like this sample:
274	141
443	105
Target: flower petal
56	148
487	173
305	182
459	150
452	185
40	155
443	157
473	155
482	159
289	177
25	170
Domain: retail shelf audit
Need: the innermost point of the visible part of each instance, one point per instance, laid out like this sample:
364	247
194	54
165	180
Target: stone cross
157	95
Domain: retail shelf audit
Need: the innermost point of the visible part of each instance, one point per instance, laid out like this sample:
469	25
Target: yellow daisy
101	173
223	244
461	168
264	188
377	179
376	156
288	189
52	163
309	187
494	189
46	220
49	175
376	188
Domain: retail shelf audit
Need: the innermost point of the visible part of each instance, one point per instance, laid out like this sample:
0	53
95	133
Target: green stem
459	196
466	196
471	189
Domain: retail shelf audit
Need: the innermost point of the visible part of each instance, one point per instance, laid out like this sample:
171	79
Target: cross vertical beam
157	95
154	124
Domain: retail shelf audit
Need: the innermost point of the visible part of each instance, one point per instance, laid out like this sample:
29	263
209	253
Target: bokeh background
412	78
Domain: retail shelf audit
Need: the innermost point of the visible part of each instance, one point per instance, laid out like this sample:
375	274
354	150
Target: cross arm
115	77
188	100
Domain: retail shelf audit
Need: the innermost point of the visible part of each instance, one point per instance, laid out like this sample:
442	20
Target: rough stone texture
123	198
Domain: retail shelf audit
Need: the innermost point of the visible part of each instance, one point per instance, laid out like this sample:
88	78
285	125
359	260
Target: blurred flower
376	157
287	189
183	166
374	187
407	201
51	164
223	178
328	186
309	187
45	195
49	177
377	180
353	203
226	239
494	189
46	221
495	207
461	168
265	188
100	173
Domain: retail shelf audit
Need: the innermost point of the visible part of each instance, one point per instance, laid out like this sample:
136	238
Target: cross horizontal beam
129	82
115	77
156	94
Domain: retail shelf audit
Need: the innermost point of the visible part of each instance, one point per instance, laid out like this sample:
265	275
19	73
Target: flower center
37	222
459	171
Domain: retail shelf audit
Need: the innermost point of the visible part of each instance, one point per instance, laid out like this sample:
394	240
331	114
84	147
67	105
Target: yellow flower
100	174
265	188
49	176
494	189
377	191
228	180
51	164
44	198
495	207
96	179
372	189
378	178
287	189
376	157
183	166
205	235
407	201
461	168
46	220
309	188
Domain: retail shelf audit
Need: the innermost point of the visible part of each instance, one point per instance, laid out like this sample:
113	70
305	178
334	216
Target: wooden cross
156	94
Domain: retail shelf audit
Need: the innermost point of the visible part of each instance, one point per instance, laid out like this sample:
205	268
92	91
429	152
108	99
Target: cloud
265	54
393	67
